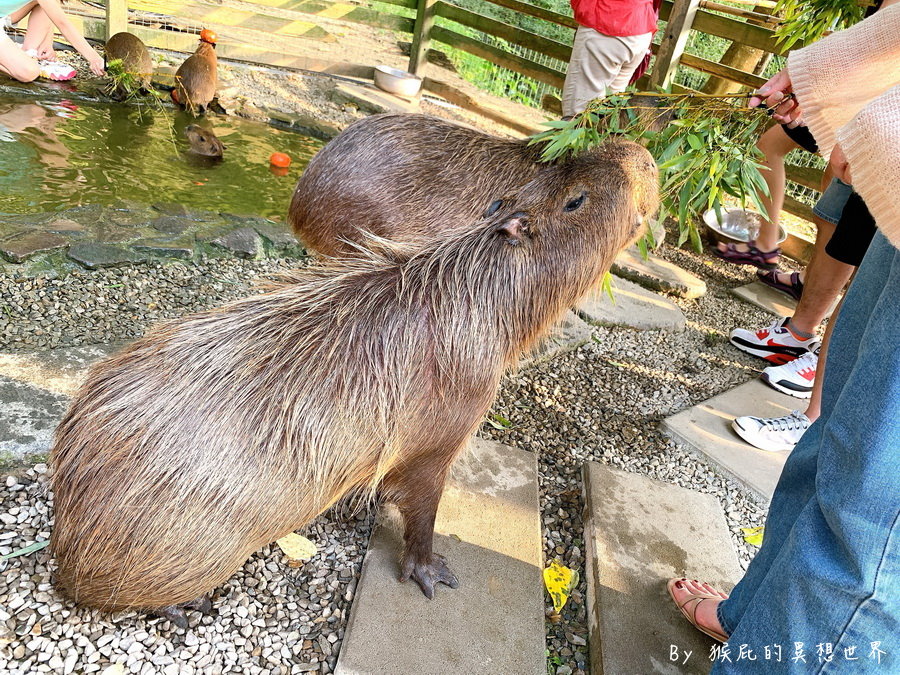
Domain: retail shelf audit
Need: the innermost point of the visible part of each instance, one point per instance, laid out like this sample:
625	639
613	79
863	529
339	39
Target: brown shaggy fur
135	59
223	431
197	79
411	178
204	141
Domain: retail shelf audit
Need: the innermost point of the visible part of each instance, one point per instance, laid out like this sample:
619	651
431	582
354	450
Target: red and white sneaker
777	343
794	378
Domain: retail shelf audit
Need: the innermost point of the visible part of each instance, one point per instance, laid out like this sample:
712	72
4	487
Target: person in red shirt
612	40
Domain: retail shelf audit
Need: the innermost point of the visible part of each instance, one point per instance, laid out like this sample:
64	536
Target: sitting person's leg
15	62
775	144
847	247
39	35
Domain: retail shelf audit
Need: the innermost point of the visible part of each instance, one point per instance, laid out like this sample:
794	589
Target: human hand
46	54
778	95
98	67
839	165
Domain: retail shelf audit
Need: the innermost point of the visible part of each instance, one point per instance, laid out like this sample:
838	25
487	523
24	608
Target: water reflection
57	154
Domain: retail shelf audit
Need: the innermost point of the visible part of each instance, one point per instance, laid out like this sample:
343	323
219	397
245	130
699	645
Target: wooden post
421	35
116	17
673	42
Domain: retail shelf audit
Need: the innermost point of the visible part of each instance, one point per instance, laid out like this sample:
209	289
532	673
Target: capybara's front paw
428	573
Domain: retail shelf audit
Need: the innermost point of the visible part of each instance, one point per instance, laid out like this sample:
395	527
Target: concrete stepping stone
488	526
371	100
570	333
657	274
640	533
28	417
60	371
706	429
633	307
767	298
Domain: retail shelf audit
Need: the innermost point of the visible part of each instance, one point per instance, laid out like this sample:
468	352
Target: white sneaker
794	378
776	343
773	434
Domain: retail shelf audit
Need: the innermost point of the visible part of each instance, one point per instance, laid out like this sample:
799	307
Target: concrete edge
711	462
592	574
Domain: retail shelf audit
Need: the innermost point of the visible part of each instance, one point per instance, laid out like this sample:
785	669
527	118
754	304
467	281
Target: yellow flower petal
296	547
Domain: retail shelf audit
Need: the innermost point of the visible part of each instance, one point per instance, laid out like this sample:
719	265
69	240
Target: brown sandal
691	614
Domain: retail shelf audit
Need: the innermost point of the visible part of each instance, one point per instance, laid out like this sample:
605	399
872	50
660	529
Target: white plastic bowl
395	81
736	224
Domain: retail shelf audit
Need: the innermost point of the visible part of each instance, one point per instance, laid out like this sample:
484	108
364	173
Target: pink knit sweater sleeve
848	85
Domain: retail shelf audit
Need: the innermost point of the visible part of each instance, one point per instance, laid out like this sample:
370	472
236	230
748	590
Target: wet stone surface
93	237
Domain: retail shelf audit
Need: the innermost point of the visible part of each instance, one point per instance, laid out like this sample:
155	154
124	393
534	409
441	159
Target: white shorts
600	63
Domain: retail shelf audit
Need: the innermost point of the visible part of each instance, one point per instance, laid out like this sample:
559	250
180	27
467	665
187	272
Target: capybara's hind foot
173	613
427	574
176	614
202	604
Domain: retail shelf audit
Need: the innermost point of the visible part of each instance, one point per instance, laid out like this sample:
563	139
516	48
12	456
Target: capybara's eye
575	203
493	208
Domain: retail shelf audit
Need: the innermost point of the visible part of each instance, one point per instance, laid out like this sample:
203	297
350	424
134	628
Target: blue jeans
828	572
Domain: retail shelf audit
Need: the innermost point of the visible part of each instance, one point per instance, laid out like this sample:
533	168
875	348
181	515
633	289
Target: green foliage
707	154
808	20
128	83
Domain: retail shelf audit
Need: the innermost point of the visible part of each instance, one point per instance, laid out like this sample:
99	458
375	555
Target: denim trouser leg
829	568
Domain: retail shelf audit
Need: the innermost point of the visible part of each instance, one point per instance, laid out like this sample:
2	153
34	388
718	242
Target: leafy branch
705	148
805	21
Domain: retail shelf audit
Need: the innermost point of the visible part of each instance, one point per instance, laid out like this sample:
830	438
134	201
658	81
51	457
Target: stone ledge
488	527
639	533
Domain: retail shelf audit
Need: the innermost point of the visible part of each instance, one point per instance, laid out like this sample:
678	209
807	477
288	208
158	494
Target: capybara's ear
514	228
493	208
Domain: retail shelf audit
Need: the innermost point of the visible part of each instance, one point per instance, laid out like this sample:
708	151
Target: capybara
197	79
411	178
218	433
135	59
204	141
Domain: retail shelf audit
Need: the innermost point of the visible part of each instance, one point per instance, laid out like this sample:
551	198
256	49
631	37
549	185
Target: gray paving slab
657	274
706	429
639	534
60	371
767	298
571	332
28	417
488	527
632	306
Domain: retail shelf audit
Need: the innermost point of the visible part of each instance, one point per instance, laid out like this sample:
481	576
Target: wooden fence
441	21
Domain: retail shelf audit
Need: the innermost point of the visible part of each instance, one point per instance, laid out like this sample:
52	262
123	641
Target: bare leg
825	277
775	145
16	63
39	35
416	488
814	408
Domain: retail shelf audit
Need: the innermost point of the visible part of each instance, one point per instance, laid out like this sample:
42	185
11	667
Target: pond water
58	152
